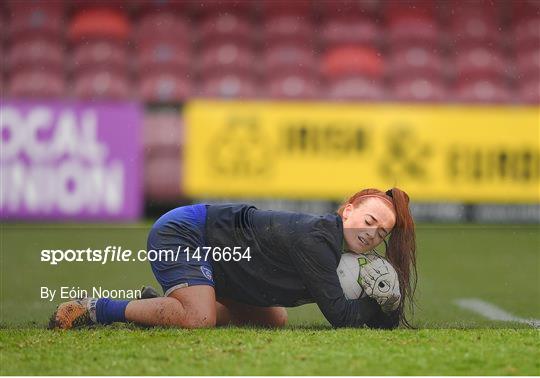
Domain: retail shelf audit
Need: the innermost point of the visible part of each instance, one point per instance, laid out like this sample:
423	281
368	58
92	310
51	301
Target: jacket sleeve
313	258
382	320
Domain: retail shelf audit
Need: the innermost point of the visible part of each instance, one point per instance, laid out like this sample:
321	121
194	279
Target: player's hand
380	282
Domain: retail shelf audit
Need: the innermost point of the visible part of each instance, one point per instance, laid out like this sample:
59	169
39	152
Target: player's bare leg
229	312
188	307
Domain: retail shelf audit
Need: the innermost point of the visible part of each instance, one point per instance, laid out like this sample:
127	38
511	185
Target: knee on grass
276	317
279	317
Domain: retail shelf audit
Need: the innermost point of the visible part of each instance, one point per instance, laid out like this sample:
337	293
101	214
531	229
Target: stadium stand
173	50
165	52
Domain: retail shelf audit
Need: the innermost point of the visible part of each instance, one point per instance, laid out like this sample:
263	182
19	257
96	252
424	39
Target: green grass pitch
497	264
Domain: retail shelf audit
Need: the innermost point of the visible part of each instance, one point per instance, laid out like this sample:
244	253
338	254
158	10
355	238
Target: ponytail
401	251
401	248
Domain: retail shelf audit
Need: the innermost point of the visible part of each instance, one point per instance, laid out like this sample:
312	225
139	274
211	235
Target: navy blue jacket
294	257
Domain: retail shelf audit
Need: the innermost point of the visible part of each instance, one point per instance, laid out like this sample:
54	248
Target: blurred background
121	110
162	54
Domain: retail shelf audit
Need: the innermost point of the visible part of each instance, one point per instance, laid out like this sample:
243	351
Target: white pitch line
493	312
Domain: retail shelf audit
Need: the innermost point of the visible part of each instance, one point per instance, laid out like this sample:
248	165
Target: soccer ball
349	272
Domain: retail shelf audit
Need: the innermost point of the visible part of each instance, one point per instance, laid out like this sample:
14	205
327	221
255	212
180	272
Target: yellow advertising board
329	151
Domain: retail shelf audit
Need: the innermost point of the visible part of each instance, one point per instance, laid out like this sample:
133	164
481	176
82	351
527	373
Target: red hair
401	248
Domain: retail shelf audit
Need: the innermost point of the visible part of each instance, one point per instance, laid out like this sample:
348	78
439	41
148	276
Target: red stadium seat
165	6
96	54
37	83
228	86
483	91
404	62
355	88
529	91
102	84
162	133
163	27
350	31
99	23
300	8
226	27
36	18
164	87
524	9
288	29
413	30
475	30
17	6
4	28
528	64
38	53
292	86
527	33
228	57
163	56
288	58
84	5
409	8
352	61
490	9
419	89
347	8
481	63
162	177
240	7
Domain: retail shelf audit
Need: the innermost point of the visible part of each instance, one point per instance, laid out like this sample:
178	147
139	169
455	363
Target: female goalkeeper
292	260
